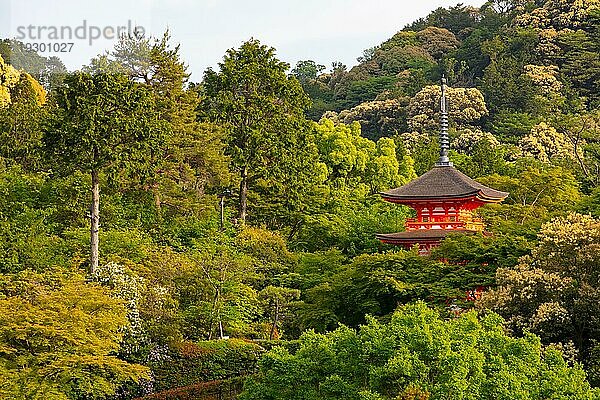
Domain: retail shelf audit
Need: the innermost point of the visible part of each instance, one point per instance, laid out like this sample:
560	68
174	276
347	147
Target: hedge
189	363
212	390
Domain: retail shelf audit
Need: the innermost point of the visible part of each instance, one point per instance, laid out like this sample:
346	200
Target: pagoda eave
471	197
444	199
425	237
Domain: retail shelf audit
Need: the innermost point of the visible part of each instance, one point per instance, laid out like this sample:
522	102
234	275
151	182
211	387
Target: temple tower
444	199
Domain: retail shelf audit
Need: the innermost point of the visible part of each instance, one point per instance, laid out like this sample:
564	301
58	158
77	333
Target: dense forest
120	278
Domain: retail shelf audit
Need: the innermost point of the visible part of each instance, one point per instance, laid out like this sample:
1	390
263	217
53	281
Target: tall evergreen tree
103	123
191	159
262	109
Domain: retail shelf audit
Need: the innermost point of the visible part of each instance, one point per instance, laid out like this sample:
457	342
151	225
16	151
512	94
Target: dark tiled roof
443	182
424	234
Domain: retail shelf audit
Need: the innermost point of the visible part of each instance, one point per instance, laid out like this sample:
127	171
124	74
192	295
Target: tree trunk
213	312
94	221
157	203
275	320
243	195
222	209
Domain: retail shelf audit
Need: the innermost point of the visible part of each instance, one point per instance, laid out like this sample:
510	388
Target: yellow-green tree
9	77
21	119
58	338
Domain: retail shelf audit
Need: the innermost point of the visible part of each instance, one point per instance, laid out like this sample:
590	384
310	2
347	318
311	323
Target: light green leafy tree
554	293
418	355
58	338
537	192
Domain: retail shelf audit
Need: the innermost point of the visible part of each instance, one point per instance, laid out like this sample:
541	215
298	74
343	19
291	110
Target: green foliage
276	302
421	354
342	211
190	161
262	109
225	389
103	121
376	283
58	337
553	293
188	363
380	118
537	192
468	107
483	253
48	71
21	119
523	108
306	71
36	209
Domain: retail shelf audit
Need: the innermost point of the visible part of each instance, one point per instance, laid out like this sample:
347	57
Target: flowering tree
467	106
555	292
546	144
468	139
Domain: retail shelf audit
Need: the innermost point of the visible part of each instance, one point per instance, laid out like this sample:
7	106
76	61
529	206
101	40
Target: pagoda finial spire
444	161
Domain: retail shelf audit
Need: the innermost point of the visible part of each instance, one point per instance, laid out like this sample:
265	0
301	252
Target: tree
219	299
547	144
538	192
437	41
58	336
554	293
352	160
48	71
190	161
9	77
276	302
102	123
380	118
307	70
375	284
147	305
467	140
457	19
21	101
467	107
262	109
418	355
538	185
582	132
505	85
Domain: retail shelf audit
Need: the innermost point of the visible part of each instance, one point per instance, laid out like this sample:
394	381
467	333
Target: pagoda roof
443	182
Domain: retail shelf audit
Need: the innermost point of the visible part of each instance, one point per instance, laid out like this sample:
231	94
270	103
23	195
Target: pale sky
320	30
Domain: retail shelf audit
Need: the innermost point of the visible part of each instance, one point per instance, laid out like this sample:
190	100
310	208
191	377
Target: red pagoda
444	199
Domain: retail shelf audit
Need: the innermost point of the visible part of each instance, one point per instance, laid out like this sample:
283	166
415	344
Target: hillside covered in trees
120	278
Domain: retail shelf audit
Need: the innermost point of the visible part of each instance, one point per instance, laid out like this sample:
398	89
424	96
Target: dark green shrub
190	363
222	390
